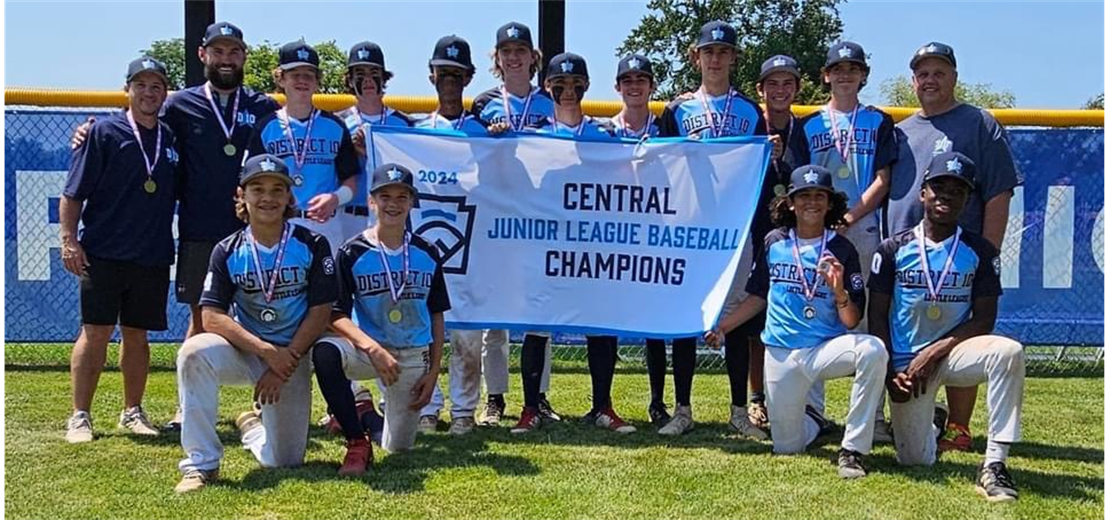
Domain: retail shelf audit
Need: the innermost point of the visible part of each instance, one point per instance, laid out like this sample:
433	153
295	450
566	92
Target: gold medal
933	312
844	172
229	150
780	190
150	186
395	316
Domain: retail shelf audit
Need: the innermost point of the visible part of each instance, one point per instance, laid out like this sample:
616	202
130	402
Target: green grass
563	471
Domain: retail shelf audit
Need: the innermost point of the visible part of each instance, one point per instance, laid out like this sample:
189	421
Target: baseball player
121	178
267	298
808	279
636	84
715	110
315	145
856	143
934	292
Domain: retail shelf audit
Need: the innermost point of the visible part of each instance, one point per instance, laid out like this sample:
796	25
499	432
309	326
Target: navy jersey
306	279
208	176
617	128
120	219
776	278
329	160
690	117
464	123
870	148
897	270
589	128
364	288
489	106
354	119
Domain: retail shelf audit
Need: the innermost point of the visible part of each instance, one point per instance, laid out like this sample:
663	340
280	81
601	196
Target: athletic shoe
360	456
883	433
682	422
757	415
825	426
330	424
955	438
79	428
461	426
175	424
940	419
740	422
135	419
547	412
529	421
850	464
247	422
491	416
427	424
196	479
658	414
995	484
609	419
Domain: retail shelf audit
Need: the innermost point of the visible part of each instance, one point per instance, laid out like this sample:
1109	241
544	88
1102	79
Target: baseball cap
634	63
717	33
223	30
298	54
391	174
779	63
147	64
845	51
951	164
808	177
264	165
366	53
451	51
567	64
934	50
514	32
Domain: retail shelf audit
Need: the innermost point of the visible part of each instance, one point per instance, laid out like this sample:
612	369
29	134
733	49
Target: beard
223	80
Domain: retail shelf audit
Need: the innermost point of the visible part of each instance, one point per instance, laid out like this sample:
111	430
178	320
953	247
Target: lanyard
718	127
457	125
157	144
808	291
298	158
934	290
395	292
843	148
509	109
268	291
623	126
227	128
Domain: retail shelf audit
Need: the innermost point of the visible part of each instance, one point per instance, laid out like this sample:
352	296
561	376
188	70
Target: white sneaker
883	433
461	426
135	419
427	424
79	427
196	479
682	422
742	424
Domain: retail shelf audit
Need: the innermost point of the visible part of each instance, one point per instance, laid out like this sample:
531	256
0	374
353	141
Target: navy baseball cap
298	54
779	63
391	174
265	165
222	30
933	50
452	51
567	64
514	32
717	33
846	51
147	64
951	164
366	53
810	176
634	63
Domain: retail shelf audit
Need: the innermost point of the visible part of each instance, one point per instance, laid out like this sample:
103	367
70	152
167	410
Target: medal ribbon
157	145
268	292
843	148
643	131
807	291
298	158
228	129
509	109
395	292
719	127
934	290
457	125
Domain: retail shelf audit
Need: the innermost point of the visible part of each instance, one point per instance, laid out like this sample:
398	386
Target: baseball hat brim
165	79
937	176
400	183
919	57
230	38
449	63
800	189
793	72
295	64
285	178
723	44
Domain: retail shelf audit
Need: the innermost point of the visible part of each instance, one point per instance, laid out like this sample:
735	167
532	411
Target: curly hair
782	215
279	74
495	68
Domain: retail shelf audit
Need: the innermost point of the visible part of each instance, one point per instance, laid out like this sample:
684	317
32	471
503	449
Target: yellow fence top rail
424	104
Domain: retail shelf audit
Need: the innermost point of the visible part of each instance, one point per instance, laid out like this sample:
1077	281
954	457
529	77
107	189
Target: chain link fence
1051	265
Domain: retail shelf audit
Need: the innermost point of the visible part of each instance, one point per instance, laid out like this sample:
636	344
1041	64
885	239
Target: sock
531	368
601	353
335	386
684	356
655	355
736	363
496	398
759	397
997	451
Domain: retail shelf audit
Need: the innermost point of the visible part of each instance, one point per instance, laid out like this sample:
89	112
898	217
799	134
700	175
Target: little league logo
447	222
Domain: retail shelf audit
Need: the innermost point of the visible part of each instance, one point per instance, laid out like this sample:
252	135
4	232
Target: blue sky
1049	54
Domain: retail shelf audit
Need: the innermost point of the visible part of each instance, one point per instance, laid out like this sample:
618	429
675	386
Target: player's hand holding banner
540	232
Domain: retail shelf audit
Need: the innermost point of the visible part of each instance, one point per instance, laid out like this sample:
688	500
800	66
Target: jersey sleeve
759	283
87	164
996	171
219	290
668	121
883	268
853	277
255	146
479	105
799	145
988	274
321	273
346	159
438	300
345	281
886	147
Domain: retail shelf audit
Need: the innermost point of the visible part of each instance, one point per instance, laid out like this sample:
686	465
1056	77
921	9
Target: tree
803	29
1095	103
898	91
262	59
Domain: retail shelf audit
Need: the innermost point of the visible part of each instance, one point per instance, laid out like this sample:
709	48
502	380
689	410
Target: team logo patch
329	265
954	166
857	282
148	64
394	174
634	63
779	62
453	51
717	33
512	31
567	66
845	52
447	222
876	263
302	53
810	177
226	31
941	145
363	54
996	262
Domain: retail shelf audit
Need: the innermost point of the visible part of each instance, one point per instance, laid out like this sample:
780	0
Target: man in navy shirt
934	290
121	187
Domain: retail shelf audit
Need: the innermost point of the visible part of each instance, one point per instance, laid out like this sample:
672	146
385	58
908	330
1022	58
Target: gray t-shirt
966	129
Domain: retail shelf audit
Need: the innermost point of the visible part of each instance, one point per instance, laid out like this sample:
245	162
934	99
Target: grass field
563	471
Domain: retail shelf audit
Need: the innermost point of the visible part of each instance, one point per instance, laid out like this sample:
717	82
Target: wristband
344	194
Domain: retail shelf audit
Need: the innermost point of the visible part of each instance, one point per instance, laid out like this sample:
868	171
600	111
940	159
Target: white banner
548	233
